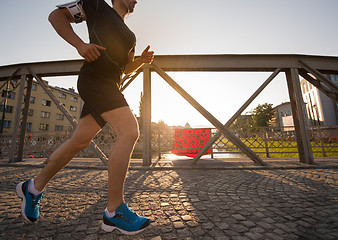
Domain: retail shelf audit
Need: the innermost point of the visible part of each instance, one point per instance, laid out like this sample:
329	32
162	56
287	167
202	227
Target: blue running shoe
30	202
125	220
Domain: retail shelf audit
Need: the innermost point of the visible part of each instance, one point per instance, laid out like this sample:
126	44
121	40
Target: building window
8	94
73	108
44	126
32	100
9	109
30	112
14	83
46	102
34	87
6	124
58	127
29	126
59	116
45	114
62	95
74	99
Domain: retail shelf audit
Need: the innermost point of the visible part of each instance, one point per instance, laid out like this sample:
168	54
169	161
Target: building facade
283	117
321	109
43	114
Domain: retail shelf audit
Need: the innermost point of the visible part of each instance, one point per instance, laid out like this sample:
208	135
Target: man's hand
90	52
147	56
133	65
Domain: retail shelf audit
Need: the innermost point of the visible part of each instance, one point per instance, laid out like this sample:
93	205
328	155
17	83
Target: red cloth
189	142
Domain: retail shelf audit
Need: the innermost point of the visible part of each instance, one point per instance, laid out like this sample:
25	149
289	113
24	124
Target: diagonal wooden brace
123	85
236	115
321	81
231	137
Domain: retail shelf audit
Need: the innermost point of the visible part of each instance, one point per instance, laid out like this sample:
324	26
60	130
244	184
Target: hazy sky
188	27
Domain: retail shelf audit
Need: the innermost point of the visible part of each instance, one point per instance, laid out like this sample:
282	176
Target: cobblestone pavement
183	204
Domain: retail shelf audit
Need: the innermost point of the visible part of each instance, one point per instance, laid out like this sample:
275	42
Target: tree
242	123
262	115
161	125
140	108
140	119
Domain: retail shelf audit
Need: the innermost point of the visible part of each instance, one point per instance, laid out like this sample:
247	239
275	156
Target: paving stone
178	225
186	217
91	237
273	236
192	224
183	233
81	228
222	225
254	235
170	236
208	225
239	217
175	218
239	228
166	229
249	224
240	238
279	231
265	225
198	232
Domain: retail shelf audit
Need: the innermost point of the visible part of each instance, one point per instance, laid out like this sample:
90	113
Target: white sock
31	188
109	214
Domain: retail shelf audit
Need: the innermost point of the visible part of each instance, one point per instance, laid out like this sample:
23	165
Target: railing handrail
215	62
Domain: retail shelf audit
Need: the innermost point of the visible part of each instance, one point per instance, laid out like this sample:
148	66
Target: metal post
266	142
146	116
159	143
4	109
24	119
17	119
299	117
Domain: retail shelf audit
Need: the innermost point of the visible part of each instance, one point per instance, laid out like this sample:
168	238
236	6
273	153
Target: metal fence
276	142
266	142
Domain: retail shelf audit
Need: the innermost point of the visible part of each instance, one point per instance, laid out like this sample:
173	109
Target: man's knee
130	135
79	144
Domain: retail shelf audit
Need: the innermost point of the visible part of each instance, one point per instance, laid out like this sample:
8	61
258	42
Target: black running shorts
100	94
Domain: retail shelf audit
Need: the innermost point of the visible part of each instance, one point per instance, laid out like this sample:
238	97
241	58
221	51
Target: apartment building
321	109
43	114
283	117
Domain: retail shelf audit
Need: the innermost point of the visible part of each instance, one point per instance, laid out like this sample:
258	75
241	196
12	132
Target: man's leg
30	191
118	215
84	132
125	127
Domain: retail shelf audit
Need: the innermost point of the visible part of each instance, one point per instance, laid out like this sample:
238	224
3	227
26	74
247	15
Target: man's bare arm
134	64
61	20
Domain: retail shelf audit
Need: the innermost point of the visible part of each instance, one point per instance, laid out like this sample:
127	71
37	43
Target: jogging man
109	54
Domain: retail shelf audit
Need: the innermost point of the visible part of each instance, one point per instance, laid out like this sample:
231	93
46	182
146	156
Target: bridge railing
311	68
266	142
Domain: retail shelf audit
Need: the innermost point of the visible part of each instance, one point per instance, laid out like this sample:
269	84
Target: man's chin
131	9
